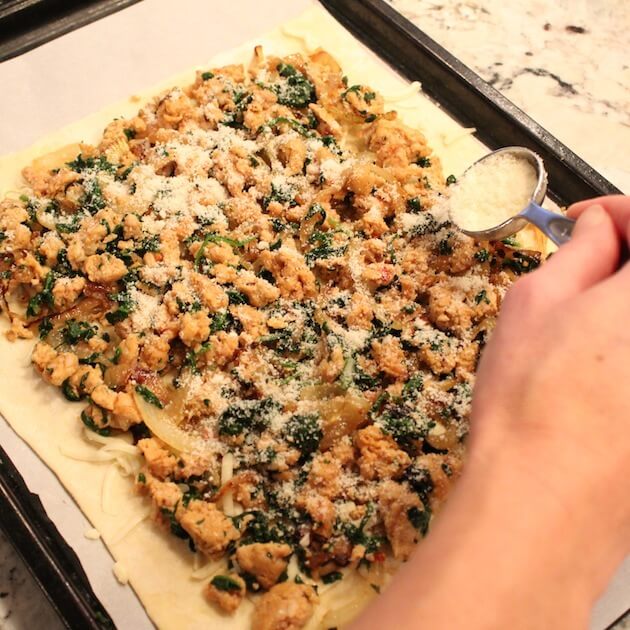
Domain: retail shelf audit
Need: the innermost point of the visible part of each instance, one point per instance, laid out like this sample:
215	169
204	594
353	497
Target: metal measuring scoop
555	226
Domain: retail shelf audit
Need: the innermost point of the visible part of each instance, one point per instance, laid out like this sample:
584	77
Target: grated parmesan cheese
491	192
121	573
91	533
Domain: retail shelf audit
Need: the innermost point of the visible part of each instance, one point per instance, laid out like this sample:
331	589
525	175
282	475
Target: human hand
540	518
551	386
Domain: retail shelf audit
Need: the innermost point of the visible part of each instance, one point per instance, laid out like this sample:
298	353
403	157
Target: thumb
589	257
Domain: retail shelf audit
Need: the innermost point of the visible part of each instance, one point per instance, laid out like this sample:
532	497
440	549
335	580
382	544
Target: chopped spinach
333	576
412	387
427	225
303	431
259	527
236	297
90	424
324	247
218	238
356	533
401	427
92	200
482	296
43	298
419	518
246	415
280	194
125	307
45	326
296	91
192	355
521	263
149	396
445	248
75	331
294	124
419	480
70	392
174	526
414	205
225	583
482	255
98	163
72	226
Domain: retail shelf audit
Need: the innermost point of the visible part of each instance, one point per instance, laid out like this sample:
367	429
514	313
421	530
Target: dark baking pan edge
460	91
51	561
465	95
26	24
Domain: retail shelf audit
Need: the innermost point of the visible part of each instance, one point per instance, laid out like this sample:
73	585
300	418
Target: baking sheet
78	74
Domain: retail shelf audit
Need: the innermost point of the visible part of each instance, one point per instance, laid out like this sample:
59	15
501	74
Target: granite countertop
564	63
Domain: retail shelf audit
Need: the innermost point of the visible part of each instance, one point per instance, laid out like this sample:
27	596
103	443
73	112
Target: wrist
567	529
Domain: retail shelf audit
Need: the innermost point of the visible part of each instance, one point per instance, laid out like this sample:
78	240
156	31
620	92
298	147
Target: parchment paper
81	73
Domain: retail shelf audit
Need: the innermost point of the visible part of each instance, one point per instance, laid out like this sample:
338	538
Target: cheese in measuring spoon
492	191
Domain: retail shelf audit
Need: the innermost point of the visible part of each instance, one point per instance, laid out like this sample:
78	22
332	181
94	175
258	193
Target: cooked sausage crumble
255	277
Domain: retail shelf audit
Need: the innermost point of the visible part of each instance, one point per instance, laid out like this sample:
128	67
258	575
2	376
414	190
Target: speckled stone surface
565	63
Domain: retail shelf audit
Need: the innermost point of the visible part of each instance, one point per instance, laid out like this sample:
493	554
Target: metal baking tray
25	24
409	51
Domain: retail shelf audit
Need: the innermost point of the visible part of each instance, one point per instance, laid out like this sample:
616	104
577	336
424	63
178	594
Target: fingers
589	257
617	206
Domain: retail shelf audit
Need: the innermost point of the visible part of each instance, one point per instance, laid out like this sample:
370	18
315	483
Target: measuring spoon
555	226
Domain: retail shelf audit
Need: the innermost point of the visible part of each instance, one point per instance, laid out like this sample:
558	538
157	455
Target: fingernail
592	217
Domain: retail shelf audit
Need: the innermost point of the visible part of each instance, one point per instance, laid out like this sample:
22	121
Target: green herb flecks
246	415
482	255
419	518
192	357
71	226
98	163
304	432
357	535
296	90
45	326
43	298
412	387
521	263
236	297
482	296
333	576
225	583
414	205
125	306
218	238
324	247
149	396
294	124
75	331
90	424
70	392
280	194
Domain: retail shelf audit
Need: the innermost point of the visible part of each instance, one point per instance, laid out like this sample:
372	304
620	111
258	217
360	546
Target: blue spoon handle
557	227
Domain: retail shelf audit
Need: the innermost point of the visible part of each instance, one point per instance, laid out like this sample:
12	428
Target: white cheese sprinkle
491	192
